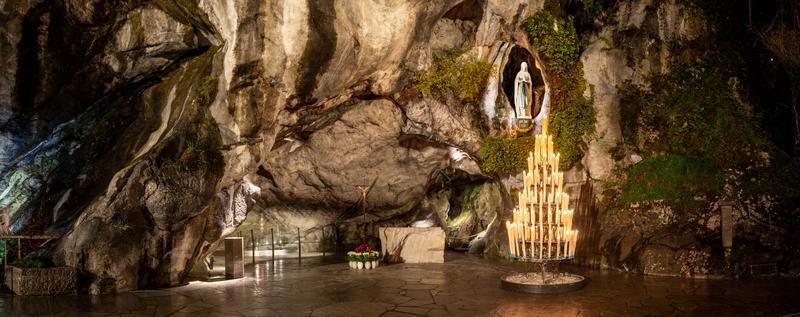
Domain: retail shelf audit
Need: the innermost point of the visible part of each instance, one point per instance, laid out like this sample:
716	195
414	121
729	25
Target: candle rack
540	230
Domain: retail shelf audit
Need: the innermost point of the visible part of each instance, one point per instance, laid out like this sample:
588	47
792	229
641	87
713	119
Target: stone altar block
41	281
234	258
412	245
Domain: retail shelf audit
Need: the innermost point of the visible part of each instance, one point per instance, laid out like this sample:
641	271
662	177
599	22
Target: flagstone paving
462	286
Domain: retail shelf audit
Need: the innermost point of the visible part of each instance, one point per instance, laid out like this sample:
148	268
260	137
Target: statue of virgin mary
523	92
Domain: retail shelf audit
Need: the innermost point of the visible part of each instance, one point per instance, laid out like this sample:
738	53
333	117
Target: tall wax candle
558	161
544	125
558	242
508	235
530	161
541	224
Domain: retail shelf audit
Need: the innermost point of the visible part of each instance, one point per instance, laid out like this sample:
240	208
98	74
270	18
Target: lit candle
549	144
568	220
514	216
558	160
565	201
532	232
574	241
544	188
513	238
529	208
549	240
568	241
530	161
541	230
544	125
522	240
558	212
508	235
525	183
526	234
537	149
558	242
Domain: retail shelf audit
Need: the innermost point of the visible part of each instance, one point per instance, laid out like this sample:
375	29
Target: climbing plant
692	110
573	118
556	39
681	180
701	143
572	113
454	79
505	154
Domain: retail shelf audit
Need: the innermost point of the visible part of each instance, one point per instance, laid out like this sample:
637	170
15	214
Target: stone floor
462	286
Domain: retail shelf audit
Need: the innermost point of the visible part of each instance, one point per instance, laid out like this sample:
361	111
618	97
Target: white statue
523	92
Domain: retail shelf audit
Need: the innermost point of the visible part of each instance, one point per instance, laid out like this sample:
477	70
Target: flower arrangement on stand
364	257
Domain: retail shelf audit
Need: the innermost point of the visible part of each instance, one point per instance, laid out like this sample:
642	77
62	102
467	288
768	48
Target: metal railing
263	244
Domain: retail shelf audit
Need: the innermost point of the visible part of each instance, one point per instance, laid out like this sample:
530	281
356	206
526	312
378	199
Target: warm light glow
541	225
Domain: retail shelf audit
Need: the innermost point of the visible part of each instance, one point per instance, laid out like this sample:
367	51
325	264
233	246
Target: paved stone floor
462	286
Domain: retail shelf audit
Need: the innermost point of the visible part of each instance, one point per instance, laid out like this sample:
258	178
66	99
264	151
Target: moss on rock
506	155
453	79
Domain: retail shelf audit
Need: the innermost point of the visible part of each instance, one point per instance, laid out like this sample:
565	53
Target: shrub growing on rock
34	260
453	79
506	155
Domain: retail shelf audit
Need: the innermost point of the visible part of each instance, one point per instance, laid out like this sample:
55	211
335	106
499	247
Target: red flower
362	247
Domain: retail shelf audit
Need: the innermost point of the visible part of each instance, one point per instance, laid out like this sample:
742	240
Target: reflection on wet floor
462	286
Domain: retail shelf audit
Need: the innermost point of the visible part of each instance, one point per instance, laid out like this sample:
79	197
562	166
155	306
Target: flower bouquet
363	257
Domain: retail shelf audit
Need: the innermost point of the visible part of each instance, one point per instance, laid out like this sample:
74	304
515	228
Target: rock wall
146	130
143	132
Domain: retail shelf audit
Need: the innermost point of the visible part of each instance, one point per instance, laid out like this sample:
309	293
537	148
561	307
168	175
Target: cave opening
516	56
269	239
469	10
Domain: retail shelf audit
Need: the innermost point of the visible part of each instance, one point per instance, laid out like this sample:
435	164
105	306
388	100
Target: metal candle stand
541	231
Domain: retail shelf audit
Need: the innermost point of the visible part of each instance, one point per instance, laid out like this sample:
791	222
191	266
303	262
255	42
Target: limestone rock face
363	147
412	245
143	132
642	42
641	32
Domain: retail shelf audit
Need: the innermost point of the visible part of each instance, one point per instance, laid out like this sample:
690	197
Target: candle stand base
533	283
544	281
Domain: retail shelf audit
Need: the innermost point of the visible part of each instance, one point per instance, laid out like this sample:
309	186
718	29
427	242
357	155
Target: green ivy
572	115
458	79
693	111
34	260
506	154
556	39
573	118
699	140
679	180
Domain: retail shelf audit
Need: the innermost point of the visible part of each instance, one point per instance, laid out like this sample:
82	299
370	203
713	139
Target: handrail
21	237
36	237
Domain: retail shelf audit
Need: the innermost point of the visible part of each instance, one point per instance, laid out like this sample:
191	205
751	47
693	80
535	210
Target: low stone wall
41	281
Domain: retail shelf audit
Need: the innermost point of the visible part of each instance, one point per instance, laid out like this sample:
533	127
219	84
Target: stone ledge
41	281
